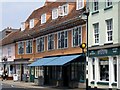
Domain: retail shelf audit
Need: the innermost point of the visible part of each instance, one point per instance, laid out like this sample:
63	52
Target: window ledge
114	84
108	43
95	12
92	82
103	83
106	8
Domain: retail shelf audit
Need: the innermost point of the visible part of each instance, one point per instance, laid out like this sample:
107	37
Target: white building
104	44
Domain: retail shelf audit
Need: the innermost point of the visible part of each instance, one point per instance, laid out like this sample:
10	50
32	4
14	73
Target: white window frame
96	33
31	46
52	41
43	18
9	51
109	28
38	71
37	44
108	1
79	35
22	26
55	13
67	9
95	6
78	2
19	47
61	10
65	38
31	23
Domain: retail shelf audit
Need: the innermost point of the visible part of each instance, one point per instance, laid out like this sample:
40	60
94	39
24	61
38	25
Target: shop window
38	72
104	70
115	68
93	64
77	71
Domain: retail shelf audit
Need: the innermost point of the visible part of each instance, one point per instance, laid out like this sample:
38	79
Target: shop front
68	71
21	68
103	67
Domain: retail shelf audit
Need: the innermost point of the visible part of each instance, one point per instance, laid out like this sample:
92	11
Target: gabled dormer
33	22
63	10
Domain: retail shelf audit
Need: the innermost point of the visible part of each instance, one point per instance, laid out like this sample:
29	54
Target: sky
13	13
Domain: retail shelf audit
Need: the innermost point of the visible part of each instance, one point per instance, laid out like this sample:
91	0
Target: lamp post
83	45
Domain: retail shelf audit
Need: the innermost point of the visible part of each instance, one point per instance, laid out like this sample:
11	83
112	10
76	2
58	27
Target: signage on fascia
104	52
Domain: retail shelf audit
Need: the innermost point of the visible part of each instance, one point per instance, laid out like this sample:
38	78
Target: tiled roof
61	23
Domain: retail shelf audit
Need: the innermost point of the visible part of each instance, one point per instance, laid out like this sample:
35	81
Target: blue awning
62	60
42	61
54	61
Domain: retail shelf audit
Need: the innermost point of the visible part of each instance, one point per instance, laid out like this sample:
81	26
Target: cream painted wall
100	18
11	57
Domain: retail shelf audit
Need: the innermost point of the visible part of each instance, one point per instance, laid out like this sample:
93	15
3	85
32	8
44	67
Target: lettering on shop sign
102	51
115	50
92	53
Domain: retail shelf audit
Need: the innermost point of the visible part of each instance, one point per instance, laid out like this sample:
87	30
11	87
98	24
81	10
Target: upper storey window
55	13
31	23
95	5
28	46
22	26
80	4
108	3
43	18
63	10
20	47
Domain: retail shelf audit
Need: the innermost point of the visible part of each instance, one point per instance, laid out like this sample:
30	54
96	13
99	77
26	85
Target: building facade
8	54
53	33
104	44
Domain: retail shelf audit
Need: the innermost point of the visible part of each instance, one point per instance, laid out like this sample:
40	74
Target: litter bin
24	77
15	77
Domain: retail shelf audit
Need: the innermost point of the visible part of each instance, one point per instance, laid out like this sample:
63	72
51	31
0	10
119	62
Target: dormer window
22	26
80	4
31	23
43	18
63	10
55	13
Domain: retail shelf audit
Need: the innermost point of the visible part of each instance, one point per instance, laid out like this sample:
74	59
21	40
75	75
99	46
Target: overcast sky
13	13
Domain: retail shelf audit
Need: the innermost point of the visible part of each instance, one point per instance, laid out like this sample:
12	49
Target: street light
85	16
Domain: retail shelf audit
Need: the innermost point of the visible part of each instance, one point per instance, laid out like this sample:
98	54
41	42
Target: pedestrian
6	75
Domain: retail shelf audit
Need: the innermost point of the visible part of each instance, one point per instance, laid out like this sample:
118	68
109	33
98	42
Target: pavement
33	86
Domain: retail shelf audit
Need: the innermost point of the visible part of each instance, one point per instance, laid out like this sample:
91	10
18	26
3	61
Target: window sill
108	43
103	83
92	82
109	7
114	84
95	12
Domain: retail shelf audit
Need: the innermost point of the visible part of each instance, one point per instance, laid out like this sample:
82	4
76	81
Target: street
4	86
